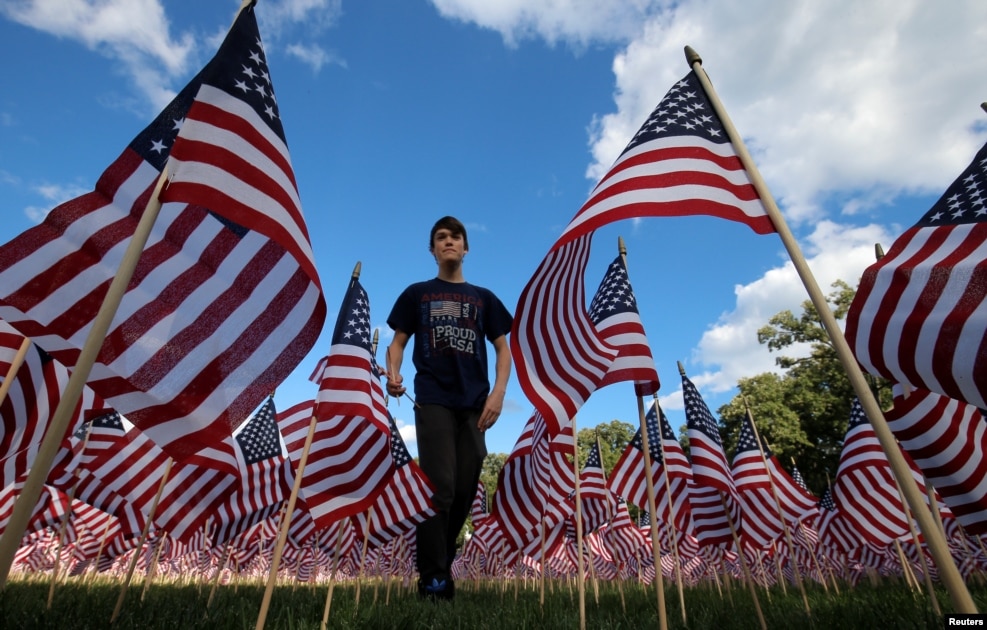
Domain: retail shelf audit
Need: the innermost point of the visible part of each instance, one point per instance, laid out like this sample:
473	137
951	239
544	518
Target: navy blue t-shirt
450	324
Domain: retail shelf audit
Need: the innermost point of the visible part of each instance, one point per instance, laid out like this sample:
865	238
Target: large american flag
920	313
615	315
559	356
679	163
224	302
712	486
947	439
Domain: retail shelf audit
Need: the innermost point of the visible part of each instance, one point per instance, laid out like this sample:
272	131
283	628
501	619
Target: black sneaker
436	589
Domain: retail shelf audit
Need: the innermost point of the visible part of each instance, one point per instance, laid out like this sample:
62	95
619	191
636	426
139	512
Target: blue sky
505	114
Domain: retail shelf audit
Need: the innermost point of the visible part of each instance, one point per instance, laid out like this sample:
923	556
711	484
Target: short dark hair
452	224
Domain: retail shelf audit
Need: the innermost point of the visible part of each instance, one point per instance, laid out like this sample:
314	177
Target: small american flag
615	314
712	483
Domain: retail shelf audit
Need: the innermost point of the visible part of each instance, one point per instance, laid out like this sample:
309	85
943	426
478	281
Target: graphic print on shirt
453	325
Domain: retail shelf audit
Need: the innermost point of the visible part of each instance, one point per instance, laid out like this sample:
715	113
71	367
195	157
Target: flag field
80	604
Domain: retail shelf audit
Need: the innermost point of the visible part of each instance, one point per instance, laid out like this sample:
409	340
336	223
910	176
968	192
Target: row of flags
224	301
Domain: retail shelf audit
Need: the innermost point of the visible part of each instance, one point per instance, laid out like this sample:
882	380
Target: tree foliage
802	413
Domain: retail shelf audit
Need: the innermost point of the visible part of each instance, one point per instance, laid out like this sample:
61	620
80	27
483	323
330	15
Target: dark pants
451	450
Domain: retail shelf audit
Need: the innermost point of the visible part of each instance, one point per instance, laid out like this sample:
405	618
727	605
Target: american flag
679	163
132	465
31	399
534	483
350	459
558	354
947	440
618	322
263	477
865	490
598	504
712	482
224	302
667	457
627	478
835	533
478	510
350	384
403	503
920	314
757	478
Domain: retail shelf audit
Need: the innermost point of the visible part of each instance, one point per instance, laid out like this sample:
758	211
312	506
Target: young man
451	322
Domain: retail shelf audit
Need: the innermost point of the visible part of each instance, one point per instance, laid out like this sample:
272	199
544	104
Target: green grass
80	605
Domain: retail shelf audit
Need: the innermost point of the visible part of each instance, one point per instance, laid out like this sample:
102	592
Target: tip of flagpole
983	106
692	57
878	251
681	369
356	270
621	247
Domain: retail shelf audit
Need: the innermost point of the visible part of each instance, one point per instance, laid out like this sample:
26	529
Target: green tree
613	437
802	413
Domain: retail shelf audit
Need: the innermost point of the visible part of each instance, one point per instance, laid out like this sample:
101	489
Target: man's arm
502	372
394	356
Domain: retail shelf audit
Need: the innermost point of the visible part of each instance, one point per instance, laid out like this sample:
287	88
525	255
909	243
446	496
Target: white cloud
578	22
833	252
408	434
313	55
873	99
135	32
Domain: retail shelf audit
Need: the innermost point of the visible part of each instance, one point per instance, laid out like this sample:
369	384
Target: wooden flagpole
610	517
272	577
743	562
921	554
781	514
64	412
363	559
332	576
949	574
673	534
219	572
649	483
65	517
152	571
61	541
15	365
580	569
544	565
140	542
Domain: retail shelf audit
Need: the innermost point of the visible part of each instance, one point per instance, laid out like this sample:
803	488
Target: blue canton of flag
260	439
613	312
614	295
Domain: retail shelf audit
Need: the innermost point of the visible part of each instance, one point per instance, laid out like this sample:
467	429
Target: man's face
448	246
